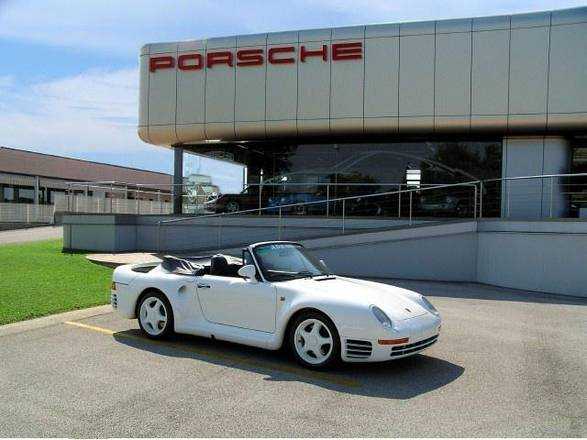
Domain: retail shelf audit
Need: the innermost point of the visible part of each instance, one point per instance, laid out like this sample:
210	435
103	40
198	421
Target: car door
237	302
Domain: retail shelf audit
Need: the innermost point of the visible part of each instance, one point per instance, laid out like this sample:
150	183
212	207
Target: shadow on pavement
449	289
400	379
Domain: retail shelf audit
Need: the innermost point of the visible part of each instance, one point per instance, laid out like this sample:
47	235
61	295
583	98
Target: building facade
355	110
35	178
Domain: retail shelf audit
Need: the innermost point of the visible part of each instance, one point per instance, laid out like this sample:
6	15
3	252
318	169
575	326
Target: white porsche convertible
276	295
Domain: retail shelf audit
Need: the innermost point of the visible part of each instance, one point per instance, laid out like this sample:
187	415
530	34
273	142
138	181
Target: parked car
295	199
443	205
276	295
246	199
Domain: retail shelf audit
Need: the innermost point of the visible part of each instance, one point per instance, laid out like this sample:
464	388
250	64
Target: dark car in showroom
303	201
245	200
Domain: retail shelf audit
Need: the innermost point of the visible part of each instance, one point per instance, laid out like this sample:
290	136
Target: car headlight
428	305
382	317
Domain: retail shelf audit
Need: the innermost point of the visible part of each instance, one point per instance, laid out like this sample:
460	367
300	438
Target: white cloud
93	116
93	112
115	27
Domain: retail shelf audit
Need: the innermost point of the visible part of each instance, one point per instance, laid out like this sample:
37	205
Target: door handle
203	286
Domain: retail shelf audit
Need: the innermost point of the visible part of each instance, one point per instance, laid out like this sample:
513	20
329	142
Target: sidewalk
31	234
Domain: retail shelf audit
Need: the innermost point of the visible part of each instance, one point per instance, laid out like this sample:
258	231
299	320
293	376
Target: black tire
166	329
232	206
334	356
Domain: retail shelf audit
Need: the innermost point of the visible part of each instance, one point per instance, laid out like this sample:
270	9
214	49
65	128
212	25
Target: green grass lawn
36	279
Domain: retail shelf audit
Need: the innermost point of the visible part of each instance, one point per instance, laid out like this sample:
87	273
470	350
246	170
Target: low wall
540	256
545	256
129	233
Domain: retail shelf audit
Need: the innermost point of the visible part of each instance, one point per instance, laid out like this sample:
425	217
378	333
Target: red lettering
249	57
191	61
304	53
256	57
271	55
347	51
163	62
213	58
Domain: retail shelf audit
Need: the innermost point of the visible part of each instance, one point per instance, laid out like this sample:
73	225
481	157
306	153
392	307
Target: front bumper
422	331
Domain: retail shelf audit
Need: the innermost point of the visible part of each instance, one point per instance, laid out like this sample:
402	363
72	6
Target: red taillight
393	341
113	287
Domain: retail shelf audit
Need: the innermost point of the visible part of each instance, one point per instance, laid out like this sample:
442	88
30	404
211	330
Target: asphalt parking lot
508	363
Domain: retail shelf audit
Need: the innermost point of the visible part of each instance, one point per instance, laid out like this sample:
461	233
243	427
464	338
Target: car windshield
285	261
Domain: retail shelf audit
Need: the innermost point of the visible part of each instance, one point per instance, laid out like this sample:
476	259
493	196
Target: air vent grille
356	349
114	300
402	350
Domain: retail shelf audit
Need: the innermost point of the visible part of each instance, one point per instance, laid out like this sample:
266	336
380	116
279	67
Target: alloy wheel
154	316
313	341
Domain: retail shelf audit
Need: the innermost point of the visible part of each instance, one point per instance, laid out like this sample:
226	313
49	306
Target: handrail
386	193
279	207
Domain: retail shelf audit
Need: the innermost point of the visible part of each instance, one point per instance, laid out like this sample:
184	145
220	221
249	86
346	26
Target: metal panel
569	16
521	199
491	23
221	42
458	25
250	91
416	77
317	35
144	91
417	28
282	37
282	89
381	77
348	33
191	94
568	64
382	30
490	72
346	98
453	74
162	96
531	20
528	70
220	92
251	40
314	85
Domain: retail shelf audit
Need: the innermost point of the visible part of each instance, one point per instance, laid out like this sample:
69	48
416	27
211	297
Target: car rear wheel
232	206
314	341
155	316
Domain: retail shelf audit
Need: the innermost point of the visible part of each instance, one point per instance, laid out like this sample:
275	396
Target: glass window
247	258
282	261
353	169
8	194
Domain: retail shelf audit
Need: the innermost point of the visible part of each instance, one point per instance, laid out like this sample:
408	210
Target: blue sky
69	79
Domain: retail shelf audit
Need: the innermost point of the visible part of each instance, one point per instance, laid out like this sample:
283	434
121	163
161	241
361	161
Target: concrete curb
46	321
115	260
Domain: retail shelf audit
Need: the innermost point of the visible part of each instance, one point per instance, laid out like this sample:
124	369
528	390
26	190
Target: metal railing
479	196
26	213
131	198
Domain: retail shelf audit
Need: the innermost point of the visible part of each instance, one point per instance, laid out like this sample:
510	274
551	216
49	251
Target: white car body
257	313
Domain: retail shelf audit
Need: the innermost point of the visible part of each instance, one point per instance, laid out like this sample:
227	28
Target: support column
36	190
534	198
177	190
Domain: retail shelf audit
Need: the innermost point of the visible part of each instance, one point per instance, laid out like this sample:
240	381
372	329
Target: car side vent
114	300
356	349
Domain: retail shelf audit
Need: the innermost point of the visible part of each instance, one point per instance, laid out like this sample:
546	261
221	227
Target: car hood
397	303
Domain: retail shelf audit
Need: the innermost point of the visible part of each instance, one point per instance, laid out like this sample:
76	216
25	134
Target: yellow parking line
91	327
289	369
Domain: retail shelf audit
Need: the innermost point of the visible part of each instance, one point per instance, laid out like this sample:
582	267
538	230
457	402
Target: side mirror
248	272
324	266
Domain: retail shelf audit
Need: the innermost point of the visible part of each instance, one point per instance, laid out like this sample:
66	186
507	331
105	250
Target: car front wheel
155	316
314	341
